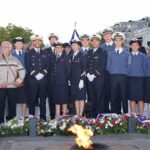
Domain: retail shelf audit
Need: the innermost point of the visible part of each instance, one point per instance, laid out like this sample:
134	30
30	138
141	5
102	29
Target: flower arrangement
112	124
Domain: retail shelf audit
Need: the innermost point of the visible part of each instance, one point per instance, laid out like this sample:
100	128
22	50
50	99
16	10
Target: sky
59	16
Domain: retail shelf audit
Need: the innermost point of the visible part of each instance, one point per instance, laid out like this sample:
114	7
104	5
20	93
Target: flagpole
75	25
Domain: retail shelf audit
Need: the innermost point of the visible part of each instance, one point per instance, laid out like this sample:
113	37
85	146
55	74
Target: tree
11	31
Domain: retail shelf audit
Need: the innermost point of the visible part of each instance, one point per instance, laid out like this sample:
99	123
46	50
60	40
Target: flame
82	136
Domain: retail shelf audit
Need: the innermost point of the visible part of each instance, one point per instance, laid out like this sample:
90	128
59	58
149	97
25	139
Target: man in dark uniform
37	65
53	38
85	41
96	68
109	46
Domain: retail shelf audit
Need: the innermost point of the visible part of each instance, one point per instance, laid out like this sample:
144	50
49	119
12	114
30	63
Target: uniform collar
85	48
135	53
119	49
37	49
17	51
59	55
53	48
110	43
95	49
75	54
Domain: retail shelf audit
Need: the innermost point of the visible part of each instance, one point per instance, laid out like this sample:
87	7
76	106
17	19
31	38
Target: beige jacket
6	74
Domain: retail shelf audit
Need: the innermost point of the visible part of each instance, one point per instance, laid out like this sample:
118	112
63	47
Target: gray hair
6	42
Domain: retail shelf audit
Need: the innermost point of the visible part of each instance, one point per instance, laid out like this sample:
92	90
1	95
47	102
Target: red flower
106	119
113	122
126	117
96	122
101	126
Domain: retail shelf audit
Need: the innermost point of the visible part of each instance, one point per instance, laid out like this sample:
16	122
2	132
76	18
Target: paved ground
116	142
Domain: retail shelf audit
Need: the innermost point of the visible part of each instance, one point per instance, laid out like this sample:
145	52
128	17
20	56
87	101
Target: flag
75	34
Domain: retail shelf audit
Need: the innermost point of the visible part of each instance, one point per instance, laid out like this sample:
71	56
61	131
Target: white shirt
17	52
135	53
110	43
85	48
120	50
75	54
59	54
37	49
53	49
94	50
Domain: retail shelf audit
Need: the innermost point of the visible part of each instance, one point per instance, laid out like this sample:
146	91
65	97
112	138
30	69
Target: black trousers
8	95
107	92
37	89
51	104
96	92
118	93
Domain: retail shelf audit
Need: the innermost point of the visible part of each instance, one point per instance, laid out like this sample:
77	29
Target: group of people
105	75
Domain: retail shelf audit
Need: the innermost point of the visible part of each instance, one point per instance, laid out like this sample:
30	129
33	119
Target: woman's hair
6	42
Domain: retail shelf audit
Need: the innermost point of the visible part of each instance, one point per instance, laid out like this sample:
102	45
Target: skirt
60	94
21	95
135	88
77	94
147	90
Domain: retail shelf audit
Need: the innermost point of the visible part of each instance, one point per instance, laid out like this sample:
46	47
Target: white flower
21	122
14	126
111	125
49	130
63	126
102	121
106	126
115	115
42	131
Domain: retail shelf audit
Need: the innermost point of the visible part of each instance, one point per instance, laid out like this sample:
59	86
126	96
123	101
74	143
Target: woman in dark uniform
60	74
19	53
136	77
78	74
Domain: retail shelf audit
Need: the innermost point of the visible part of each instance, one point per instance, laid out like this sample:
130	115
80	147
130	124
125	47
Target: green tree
11	31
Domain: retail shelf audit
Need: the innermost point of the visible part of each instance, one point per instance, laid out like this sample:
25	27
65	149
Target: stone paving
115	142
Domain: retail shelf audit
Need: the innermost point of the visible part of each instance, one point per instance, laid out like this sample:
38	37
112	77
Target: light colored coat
6	74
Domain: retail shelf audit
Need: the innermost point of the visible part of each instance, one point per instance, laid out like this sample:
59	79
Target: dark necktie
108	45
20	53
117	51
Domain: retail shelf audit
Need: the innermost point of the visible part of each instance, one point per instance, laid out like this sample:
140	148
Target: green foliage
11	31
